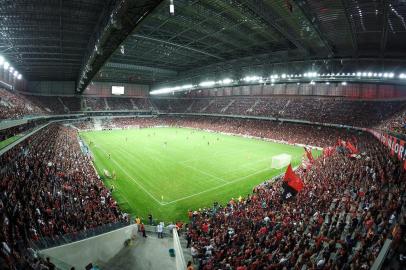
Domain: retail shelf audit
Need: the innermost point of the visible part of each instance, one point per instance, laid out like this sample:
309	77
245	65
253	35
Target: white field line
129	176
186	166
217	187
216	154
208	174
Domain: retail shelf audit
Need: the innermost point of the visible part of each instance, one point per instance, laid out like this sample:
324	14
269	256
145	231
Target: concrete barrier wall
97	249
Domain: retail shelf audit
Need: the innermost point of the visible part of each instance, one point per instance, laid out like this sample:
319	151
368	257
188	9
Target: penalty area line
132	179
217	187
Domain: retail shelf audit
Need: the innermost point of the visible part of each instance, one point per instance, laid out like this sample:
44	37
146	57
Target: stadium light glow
11	69
171	8
6	65
252	78
15	74
207	83
226	81
273	78
187	86
19	76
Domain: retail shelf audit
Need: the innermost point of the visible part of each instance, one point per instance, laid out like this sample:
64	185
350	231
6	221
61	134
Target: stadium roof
53	39
211	37
204	38
47	39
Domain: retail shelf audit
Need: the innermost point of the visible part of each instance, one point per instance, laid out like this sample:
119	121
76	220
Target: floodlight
187	86
15	73
226	81
6	65
344	83
171	7
19	76
207	83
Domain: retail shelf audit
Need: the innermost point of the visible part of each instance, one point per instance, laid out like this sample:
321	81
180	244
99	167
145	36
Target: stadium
202	134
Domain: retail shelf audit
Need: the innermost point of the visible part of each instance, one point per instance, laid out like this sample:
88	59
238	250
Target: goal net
280	161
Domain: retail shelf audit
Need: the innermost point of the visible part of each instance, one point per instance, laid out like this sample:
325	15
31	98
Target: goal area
280	161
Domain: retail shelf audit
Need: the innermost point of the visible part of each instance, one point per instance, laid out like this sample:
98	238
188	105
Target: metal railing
49	242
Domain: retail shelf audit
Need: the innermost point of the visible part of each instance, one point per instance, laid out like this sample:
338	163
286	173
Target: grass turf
9	141
166	171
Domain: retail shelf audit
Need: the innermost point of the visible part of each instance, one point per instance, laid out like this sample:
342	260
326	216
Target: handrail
382	255
49	242
179	257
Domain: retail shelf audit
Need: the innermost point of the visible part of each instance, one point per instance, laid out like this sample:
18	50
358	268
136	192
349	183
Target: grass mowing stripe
129	176
157	159
214	188
9	141
170	161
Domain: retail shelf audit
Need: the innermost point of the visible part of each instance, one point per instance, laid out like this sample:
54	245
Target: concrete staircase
186	251
190	106
134	106
253	106
223	110
83	104
65	109
106	104
204	108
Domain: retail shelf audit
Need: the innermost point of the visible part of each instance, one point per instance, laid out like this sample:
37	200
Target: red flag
352	148
328	151
309	154
292	179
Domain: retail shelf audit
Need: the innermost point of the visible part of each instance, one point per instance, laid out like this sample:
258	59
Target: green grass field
9	141
191	171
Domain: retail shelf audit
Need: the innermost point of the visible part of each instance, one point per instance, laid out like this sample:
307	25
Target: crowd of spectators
396	124
13	106
281	131
48	188
315	109
389	115
116	103
340	220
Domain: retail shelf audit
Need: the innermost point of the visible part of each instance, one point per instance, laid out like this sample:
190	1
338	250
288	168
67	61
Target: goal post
280	161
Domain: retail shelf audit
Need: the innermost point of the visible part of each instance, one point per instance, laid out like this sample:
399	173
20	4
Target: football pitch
166	171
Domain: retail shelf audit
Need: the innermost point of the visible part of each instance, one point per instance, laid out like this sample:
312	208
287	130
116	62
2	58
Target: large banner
397	146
